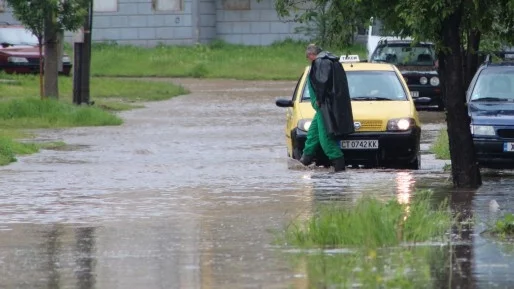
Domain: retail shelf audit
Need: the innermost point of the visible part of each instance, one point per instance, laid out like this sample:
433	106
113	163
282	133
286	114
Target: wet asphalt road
185	193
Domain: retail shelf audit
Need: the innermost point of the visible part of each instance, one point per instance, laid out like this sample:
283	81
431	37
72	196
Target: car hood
381	109
369	110
491	113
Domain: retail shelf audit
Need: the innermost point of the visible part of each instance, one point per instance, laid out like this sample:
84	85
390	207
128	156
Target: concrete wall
251	22
207	20
137	22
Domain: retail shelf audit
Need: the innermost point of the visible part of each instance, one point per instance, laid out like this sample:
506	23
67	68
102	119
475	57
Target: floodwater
187	192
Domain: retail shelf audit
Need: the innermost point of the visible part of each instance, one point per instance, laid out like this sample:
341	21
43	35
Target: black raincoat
330	85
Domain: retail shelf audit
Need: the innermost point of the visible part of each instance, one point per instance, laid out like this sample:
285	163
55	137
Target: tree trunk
41	91
472	56
51	54
465	170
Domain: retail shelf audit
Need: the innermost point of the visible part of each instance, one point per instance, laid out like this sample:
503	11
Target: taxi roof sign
349	58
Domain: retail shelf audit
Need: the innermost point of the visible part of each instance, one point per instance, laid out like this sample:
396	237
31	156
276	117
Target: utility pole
82	60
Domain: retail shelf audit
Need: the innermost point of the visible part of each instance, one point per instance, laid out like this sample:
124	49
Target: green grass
280	61
372	223
31	112
10	148
112	94
504	227
441	147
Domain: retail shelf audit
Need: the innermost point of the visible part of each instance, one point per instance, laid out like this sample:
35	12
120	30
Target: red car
19	51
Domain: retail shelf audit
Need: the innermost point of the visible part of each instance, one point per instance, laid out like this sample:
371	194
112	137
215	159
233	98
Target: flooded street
187	192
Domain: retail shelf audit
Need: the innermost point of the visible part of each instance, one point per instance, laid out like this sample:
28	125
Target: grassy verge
441	147
35	113
112	94
10	148
23	113
280	61
372	223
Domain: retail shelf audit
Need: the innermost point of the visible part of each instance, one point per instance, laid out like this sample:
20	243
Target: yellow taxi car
387	127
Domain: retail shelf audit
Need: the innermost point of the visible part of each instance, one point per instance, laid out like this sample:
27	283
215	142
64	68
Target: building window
236	4
167	5
105	6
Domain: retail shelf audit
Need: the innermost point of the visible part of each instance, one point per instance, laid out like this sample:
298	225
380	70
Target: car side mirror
284	102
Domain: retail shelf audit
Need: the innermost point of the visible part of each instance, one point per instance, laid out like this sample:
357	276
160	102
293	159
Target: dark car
19	51
417	63
490	102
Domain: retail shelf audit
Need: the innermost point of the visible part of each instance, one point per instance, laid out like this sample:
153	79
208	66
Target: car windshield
494	84
17	36
405	54
371	85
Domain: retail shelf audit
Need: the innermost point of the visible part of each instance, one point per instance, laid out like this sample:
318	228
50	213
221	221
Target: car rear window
494	84
372	84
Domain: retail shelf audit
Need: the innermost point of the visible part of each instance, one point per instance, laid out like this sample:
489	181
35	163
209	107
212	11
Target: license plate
508	147
359	144
414	93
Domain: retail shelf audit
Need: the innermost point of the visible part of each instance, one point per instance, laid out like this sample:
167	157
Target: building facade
151	22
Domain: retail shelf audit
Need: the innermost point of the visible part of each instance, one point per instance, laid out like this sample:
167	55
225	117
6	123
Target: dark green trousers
317	136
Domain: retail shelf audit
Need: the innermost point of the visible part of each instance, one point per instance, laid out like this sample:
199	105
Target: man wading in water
330	98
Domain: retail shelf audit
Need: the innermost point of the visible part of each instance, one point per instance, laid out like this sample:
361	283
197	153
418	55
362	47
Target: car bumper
428	95
30	68
490	153
392	146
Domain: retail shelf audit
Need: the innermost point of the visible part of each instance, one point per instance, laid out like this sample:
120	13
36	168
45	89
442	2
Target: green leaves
69	13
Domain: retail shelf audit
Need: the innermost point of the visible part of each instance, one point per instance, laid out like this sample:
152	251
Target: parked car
490	102
386	121
417	64
19	51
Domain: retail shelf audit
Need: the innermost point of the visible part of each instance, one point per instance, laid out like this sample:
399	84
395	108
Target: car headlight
423	80
434	81
482	130
304	124
66	59
15	59
400	124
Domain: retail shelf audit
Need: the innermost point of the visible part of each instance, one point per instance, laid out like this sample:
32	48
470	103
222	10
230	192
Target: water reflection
84	257
383	268
51	251
404	186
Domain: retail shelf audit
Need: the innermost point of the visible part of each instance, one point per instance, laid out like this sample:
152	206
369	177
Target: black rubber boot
339	164
306	160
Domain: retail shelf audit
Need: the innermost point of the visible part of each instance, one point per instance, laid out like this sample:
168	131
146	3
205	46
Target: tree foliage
327	22
69	13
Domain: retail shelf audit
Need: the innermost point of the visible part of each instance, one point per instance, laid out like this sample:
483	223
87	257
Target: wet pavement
187	192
